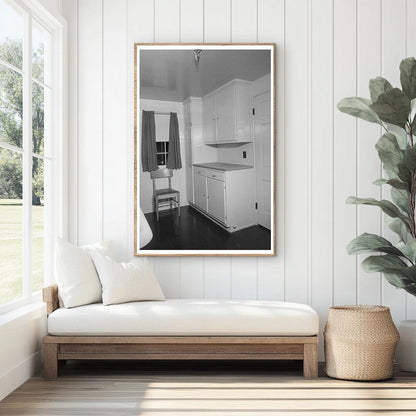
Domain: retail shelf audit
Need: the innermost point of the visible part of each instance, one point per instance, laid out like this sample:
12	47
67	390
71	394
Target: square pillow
75	273
126	282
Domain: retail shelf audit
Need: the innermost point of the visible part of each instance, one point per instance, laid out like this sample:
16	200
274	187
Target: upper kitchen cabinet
209	117
227	114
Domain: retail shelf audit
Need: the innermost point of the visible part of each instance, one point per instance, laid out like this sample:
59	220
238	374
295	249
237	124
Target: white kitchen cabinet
225	108
227	114
200	192
227	197
216	199
209	119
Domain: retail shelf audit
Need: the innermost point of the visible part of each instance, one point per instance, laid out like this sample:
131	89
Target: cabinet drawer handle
214	176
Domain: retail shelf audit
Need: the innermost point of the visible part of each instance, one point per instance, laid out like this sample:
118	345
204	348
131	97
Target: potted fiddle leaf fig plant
394	109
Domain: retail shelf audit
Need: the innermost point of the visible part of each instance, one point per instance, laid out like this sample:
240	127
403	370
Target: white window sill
34	306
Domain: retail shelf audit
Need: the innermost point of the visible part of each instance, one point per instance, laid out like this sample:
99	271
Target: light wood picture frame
224	96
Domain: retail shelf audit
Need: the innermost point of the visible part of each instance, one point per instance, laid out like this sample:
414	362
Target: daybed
181	329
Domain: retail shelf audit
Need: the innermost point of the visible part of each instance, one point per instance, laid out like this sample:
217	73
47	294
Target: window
162	121
28	152
162	149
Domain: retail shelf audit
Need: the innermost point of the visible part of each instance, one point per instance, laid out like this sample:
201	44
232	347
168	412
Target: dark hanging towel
149	156
174	152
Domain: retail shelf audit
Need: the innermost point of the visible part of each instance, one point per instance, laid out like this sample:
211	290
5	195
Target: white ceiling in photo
173	75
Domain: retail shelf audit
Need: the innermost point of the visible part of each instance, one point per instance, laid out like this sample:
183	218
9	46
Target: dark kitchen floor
194	231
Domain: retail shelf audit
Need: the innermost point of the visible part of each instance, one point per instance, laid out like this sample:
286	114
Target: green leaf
400	198
378	86
401	137
366	243
408	77
395	270
392	107
359	107
404	173
398	184
395	183
380	182
409	158
389	151
411	289
388	207
400	228
408	249
410	272
397	280
381	263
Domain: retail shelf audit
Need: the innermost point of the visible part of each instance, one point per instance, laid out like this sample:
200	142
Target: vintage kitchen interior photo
205	155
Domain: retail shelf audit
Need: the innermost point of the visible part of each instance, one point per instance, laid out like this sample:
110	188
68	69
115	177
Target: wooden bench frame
58	349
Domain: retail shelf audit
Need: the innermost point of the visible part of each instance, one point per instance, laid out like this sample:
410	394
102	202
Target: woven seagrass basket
360	341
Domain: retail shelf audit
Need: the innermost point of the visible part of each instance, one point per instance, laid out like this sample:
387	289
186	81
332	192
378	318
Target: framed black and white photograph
204	150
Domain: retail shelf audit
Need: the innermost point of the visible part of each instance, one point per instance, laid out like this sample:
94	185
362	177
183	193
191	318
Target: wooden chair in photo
164	196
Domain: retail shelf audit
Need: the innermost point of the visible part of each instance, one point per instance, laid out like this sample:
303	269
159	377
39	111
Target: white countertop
223	166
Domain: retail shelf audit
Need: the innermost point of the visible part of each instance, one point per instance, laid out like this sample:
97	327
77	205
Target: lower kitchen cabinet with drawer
226	197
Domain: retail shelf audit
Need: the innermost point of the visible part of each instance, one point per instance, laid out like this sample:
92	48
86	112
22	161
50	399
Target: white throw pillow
104	247
75	273
126	282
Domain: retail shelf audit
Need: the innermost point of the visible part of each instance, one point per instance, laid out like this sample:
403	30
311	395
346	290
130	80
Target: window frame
58	226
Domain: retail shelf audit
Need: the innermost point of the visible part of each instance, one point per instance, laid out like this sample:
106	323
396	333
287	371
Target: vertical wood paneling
244	21
296	152
114	124
192	21
345	152
192	278
217	278
368	163
168	274
90	184
271	28
217	16
321	34
411	51
167	20
393	51
244	278
70	11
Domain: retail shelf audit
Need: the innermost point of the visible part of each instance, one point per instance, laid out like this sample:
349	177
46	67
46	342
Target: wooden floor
153	389
194	231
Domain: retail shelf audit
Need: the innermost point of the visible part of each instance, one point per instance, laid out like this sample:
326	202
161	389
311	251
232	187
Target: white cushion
103	247
126	282
75	273
187	317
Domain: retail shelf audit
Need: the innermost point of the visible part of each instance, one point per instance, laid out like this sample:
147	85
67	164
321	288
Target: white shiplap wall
326	50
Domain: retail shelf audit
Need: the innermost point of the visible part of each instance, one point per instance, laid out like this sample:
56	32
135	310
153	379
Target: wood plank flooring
213	388
194	231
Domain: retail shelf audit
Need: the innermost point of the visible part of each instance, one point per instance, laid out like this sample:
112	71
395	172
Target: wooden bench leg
50	360
310	360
